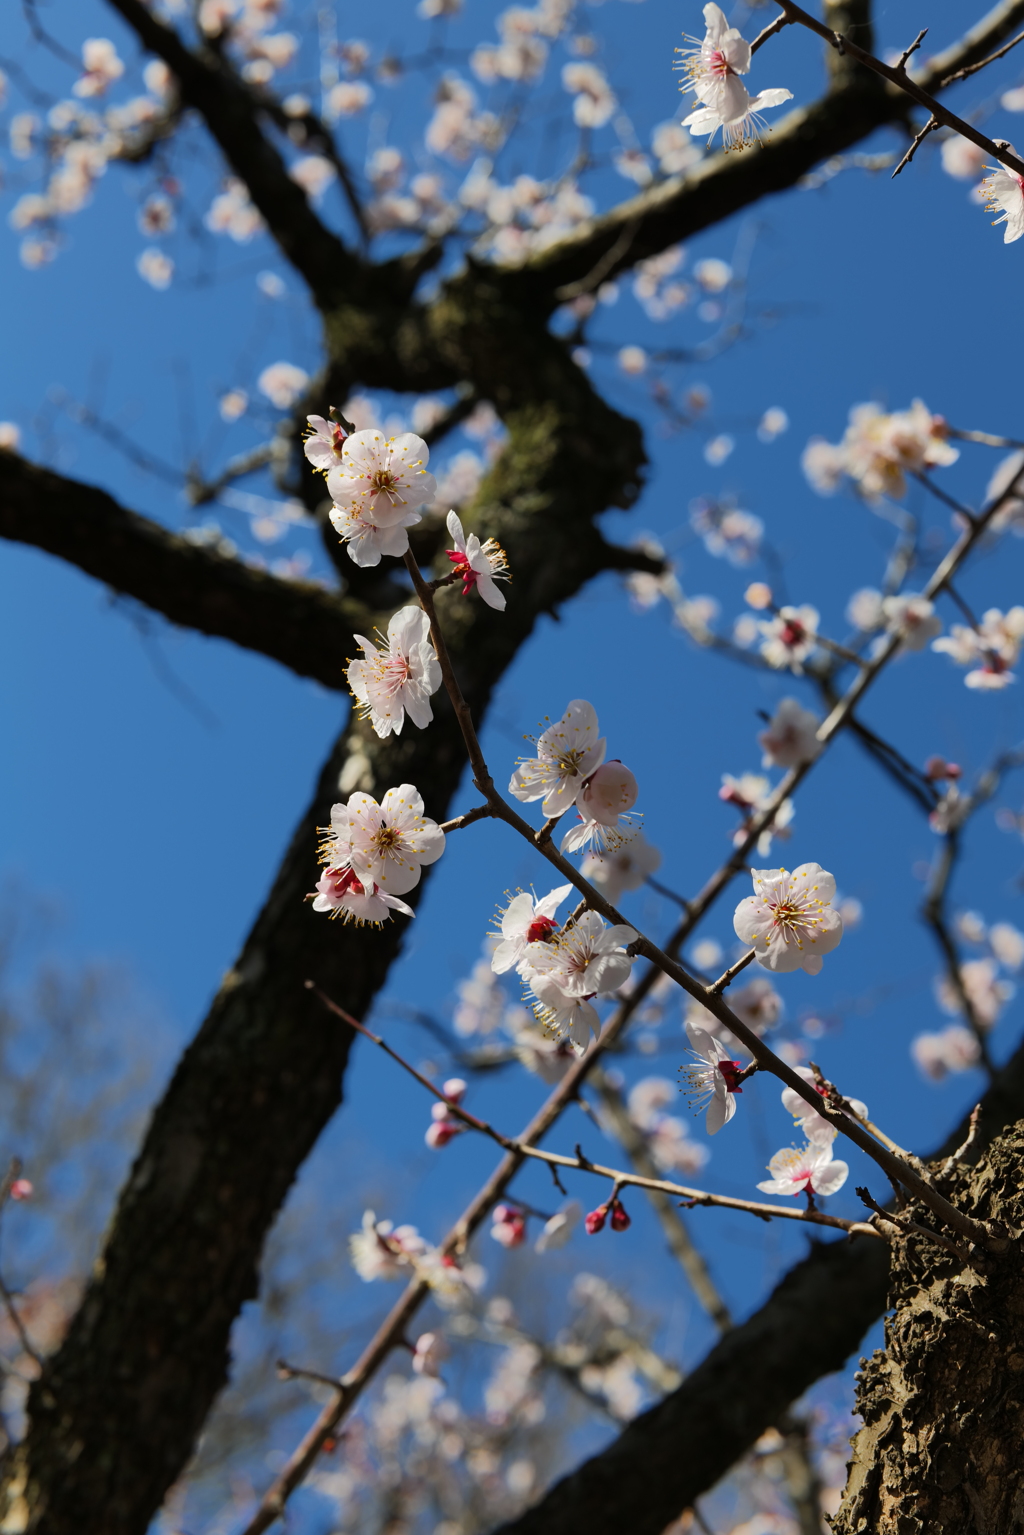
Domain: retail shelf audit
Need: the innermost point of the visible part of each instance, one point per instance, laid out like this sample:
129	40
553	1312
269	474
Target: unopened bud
21	1188
594	1222
608	793
758	595
620	1220
440	1133
454	1089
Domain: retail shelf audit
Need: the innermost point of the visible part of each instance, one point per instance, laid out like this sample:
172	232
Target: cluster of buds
612	1211
444	1126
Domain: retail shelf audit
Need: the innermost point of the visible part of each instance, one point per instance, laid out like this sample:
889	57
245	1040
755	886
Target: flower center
344	882
792	632
717	63
540	930
397	671
464	570
386	838
731	1072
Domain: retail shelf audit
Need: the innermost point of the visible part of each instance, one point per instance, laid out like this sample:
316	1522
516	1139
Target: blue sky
150	779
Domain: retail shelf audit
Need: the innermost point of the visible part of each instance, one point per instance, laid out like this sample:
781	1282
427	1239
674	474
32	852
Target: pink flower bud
440	1133
608	793
454	1089
509	1226
439	1111
594	1222
620	1220
21	1189
428	1353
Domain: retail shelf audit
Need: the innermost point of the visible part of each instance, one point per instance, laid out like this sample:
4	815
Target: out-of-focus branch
296	623
721	185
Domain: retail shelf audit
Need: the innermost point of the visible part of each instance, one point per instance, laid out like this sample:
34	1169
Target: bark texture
943	1403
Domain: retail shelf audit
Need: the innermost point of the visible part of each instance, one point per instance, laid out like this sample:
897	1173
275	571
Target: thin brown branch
972	69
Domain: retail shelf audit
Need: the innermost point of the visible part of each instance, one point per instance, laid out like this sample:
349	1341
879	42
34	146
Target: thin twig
918	140
972	69
962	1150
730	975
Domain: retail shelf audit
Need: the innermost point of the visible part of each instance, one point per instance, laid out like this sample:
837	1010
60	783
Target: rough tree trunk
943	1403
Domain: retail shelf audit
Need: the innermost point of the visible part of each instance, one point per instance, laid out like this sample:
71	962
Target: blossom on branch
789	637
811	1170
381	1251
948	1050
389	684
990	649
560	1227
508	1226
575	965
791	738
324	445
810	1123
341	893
568	752
444	1125
381	478
789	921
101	65
879	450
1005	191
713	69
714	1080
751	793
478	564
524	921
386	843
913	618
603	804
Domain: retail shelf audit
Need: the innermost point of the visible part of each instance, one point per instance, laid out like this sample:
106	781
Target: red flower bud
594	1222
620	1220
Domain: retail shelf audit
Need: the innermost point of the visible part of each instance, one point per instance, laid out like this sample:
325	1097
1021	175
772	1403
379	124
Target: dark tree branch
296	623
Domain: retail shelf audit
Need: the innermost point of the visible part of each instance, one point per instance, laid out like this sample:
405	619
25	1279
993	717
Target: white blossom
102	67
567	753
233	404
812	1169
1007	944
1005	191
156	216
429	1354
789	921
560	1227
480	1002
381	1251
913	618
390	684
713	70
948	1050
864	609
714	1079
341	893
772	424
791	738
752	794
810	1123
789	637
346	98
962	159
282	383
478	564
990	650
593	99
386	843
232	213
879	450
156	268
526	920
986	993
586	960
623	868
324	444
727	529
385	476
313	173
603	803
10	436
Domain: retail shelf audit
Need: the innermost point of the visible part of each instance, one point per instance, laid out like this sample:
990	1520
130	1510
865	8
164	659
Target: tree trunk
943	1403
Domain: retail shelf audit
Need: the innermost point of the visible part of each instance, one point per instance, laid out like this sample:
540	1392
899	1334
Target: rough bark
943	1403
810	1324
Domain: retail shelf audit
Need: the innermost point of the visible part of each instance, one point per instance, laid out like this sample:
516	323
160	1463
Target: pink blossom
811	1169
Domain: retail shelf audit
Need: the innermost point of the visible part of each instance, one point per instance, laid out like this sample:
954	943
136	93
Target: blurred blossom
617	870
232	213
879	449
851	911
233	404
346	99
707	955
971	926
1011	512
990	650
581	356
22	133
864	609
962	159
10	436
986	994
156	216
632	359
791	738
154	267
593	99
270	285
758	595
560	1227
282	383
772	424
725	528
674	149
713	275
480	1002
634	165
296	105
718	449
102	67
314	174
949	1050
1007	944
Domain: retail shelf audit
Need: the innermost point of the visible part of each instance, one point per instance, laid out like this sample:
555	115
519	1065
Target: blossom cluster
570	769
375	854
879	450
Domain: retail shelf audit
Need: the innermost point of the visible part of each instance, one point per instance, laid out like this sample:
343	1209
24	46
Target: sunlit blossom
810	1123
790	636
341	893
714	1079
789	921
526	920
386	843
713	70
616	870
568	752
990	650
791	738
478	565
397	681
324	444
1005	192
811	1169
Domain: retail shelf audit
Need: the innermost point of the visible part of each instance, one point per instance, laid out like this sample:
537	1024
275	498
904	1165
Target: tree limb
296	623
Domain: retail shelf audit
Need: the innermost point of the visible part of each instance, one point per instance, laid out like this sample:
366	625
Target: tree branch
296	623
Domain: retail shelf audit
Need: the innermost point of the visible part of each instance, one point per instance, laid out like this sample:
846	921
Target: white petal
830	1179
